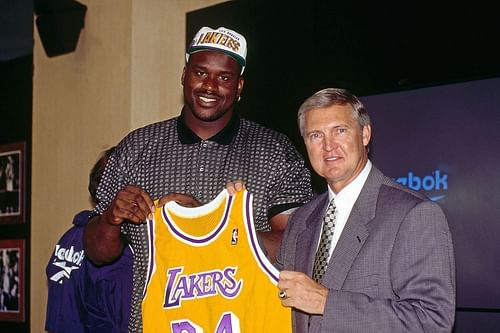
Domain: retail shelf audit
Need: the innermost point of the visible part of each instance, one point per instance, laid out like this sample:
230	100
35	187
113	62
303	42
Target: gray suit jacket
393	269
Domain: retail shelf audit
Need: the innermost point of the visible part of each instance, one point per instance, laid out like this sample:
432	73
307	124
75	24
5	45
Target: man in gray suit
386	262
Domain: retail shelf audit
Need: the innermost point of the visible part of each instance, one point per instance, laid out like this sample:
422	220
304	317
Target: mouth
332	158
207	99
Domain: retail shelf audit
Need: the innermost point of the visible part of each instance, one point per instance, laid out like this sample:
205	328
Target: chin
207	116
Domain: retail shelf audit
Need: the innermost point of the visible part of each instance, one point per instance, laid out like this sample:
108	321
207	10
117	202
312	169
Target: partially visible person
368	255
9	280
3	186
196	154
11	196
82	297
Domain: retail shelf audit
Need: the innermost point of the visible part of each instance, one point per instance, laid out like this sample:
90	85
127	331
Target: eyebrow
205	69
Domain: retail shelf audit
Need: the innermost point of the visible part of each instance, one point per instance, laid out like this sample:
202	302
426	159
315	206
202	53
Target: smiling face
211	84
336	144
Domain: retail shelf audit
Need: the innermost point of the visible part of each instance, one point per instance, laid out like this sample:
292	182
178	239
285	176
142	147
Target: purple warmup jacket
83	297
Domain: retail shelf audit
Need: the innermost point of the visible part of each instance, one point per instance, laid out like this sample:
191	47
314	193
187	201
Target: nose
329	143
210	83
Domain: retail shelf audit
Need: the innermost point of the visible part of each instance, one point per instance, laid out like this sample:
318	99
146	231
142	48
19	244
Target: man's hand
102	236
235	186
302	292
185	200
131	203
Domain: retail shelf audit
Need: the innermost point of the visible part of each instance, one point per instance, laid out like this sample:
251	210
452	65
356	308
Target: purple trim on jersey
151	238
253	236
190	239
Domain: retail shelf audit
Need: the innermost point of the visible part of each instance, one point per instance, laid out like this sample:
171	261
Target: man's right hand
185	200
102	236
235	186
132	204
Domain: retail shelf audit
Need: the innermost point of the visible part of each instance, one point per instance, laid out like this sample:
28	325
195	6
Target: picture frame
12	183
12	286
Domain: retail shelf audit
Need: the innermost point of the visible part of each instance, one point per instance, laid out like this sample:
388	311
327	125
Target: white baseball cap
220	39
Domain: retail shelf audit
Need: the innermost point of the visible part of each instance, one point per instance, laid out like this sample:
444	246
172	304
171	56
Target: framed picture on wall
12	280
12	183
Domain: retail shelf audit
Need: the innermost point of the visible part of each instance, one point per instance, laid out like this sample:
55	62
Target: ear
241	83
183	75
367	134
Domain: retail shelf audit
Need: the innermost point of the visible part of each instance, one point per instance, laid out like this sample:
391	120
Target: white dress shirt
344	200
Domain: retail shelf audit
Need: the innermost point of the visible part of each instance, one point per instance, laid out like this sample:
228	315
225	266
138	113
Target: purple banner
445	141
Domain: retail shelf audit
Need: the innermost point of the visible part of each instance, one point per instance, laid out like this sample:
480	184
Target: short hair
333	96
97	171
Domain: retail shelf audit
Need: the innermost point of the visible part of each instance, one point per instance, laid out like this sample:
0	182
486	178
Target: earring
238	99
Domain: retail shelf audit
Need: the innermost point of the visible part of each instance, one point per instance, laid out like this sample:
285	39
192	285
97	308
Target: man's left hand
302	292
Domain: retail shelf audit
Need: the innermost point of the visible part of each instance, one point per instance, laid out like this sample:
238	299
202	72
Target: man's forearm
103	242
272	242
272	239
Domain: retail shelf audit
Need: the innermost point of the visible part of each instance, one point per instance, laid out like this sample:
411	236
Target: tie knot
330	214
331	206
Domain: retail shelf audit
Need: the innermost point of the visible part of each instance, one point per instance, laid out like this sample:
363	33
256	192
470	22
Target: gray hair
333	96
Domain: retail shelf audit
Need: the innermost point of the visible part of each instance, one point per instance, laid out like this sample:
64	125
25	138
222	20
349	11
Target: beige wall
124	74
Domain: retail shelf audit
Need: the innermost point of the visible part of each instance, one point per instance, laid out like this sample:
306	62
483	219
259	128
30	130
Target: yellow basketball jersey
207	272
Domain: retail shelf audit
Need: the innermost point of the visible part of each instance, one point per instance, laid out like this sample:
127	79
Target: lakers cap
220	39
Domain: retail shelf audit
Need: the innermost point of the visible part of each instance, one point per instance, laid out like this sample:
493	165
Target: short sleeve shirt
168	157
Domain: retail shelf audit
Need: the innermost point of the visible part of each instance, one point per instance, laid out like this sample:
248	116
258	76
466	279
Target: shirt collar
350	193
224	137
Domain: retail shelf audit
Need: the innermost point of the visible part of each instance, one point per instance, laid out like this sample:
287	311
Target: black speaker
59	24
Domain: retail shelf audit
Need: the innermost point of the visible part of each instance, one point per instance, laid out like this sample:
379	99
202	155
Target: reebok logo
66	260
436	181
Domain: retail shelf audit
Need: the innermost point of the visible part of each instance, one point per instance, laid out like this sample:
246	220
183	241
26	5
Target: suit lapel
355	232
306	249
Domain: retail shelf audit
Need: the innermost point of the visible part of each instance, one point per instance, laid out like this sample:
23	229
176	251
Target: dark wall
16	86
443	141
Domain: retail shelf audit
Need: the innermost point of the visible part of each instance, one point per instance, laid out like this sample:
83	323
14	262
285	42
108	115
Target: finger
286	275
235	186
182	199
284	285
286	298
131	203
164	199
239	185
188	201
230	188
288	302
131	211
115	214
110	217
136	196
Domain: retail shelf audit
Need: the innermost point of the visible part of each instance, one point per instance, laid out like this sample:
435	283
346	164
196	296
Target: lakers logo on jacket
207	272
